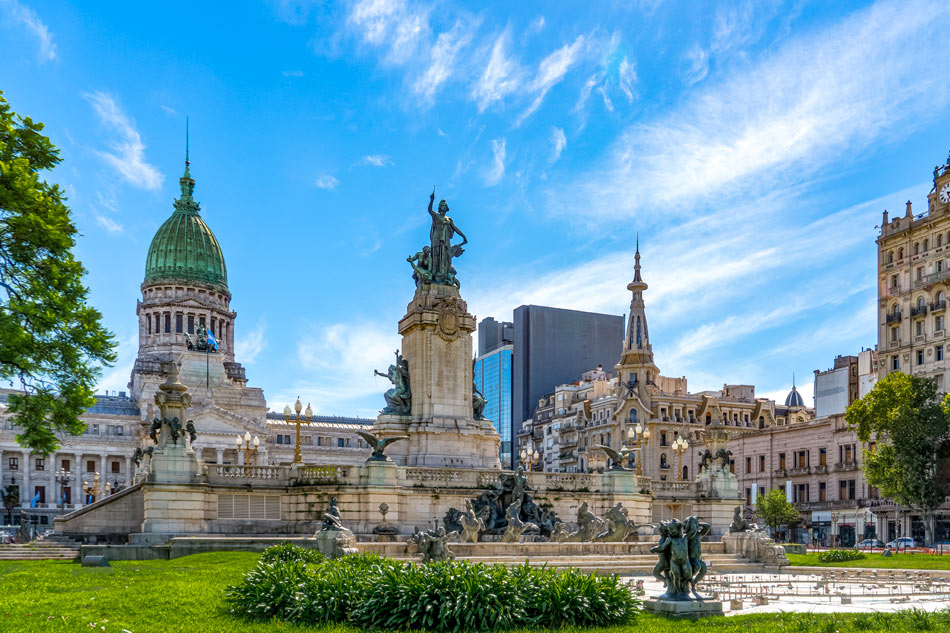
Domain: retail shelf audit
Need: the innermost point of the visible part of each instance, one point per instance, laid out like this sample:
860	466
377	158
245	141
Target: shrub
288	552
378	593
839	555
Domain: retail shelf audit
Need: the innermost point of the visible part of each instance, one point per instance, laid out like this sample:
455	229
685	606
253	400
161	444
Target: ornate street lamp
529	455
643	438
63	477
250	447
297	419
679	447
95	491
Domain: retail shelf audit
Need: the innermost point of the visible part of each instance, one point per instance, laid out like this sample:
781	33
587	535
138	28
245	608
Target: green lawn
897	561
185	594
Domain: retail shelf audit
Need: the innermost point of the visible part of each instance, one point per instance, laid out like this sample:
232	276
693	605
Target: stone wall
110	520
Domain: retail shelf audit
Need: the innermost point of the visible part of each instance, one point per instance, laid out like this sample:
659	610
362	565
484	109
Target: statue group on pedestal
614	527
204	341
720	460
433	264
399	398
432	544
334	540
680	566
506	508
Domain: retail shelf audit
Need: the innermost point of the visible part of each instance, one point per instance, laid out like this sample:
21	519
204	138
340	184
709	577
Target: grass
187	594
875	560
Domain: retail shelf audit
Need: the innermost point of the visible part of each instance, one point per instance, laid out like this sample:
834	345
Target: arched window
920	302
916	248
890	257
633	415
900	253
685	473
926	245
941	296
939	240
663	463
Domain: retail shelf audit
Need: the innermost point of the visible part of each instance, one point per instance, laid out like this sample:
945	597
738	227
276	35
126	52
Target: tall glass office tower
493	379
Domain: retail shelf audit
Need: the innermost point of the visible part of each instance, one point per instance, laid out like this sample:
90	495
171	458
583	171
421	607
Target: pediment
216	421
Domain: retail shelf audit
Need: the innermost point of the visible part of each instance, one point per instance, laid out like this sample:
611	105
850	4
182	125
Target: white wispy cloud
26	17
377	160
443	60
497	170
170	111
502	75
551	71
559	141
127	155
793	114
627	78
698	68
326	181
247	348
109	225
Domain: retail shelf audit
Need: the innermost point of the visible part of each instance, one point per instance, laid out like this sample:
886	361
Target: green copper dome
184	248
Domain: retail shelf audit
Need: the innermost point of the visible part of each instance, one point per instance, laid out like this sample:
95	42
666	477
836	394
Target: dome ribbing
184	247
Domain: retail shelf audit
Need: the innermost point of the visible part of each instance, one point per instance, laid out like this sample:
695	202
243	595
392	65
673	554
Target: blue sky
753	146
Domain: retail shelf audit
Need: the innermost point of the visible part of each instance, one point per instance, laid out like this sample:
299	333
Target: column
3	482
219	456
128	471
26	495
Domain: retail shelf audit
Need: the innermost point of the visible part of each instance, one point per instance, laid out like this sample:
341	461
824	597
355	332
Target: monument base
683	608
336	543
174	464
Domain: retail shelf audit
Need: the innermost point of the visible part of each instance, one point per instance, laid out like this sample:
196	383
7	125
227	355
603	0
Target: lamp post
643	438
63	477
308	413
679	447
529	455
248	450
95	491
834	529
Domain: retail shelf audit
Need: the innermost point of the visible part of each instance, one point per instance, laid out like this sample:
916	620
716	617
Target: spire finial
186	143
636	267
793	381
187	182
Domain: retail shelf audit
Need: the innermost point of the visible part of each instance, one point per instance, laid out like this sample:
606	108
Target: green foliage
908	419
775	509
877	561
290	552
377	593
839	555
51	341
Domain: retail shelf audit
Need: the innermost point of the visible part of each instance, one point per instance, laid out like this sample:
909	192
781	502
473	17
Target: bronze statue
331	518
441	232
616	459
472	526
420	263
379	445
399	398
680	564
738	524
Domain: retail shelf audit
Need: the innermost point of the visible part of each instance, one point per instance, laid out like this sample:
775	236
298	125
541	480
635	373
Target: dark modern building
553	346
493	378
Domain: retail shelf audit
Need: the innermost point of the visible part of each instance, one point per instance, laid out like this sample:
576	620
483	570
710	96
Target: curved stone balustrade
225	471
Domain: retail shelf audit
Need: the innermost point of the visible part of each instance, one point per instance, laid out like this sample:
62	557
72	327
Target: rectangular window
14	463
938	352
920	327
280	439
761	463
748	496
895	334
214	325
168	322
286	439
178	322
748	465
191	324
822	456
115	467
91	466
339	442
66	465
781	461
201	321
938	323
920	357
41	491
40	463
822	491
158	323
319	441
308	440
67	495
895	363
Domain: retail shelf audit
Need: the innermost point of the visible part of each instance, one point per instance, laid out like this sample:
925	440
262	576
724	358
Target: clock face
945	193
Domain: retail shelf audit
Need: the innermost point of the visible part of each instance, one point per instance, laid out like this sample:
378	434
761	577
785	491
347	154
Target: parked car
870	543
904	542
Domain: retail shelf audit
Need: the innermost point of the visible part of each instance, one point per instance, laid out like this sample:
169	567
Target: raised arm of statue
431	200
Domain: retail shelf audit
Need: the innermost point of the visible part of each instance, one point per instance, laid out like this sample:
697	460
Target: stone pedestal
174	464
756	547
173	510
683	608
618	481
437	344
336	543
379	473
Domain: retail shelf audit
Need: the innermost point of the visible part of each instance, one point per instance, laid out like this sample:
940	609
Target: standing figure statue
399	398
472	526
695	531
680	565
442	250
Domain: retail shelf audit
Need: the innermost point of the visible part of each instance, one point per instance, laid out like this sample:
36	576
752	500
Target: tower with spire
636	366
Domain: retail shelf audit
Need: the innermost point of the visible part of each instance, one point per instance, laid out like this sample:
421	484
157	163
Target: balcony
938	306
893	291
932	278
821	469
918	311
792	472
893	318
780	472
843	466
837	504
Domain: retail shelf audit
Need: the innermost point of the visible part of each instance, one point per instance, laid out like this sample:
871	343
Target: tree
909	421
775	509
52	343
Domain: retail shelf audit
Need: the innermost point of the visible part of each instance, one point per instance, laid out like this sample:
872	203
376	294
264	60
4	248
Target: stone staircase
52	547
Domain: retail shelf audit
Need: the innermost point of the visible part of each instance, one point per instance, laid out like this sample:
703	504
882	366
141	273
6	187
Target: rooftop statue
399	398
433	264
